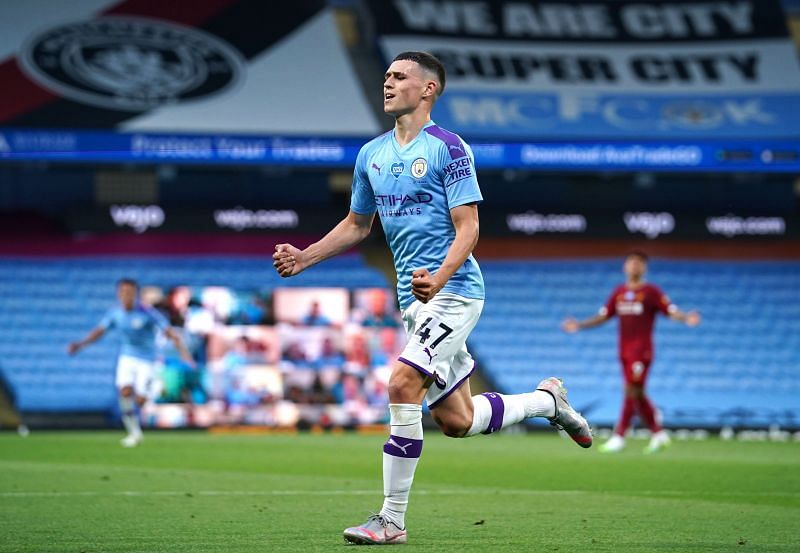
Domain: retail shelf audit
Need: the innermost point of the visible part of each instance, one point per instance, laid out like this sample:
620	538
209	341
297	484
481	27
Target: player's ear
430	89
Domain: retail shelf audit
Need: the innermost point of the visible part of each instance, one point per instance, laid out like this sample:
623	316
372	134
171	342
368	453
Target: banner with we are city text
678	69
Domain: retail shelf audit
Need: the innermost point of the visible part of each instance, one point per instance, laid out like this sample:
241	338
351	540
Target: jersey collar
399	148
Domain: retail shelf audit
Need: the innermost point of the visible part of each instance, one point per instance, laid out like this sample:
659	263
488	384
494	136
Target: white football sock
400	457
129	417
539	404
493	411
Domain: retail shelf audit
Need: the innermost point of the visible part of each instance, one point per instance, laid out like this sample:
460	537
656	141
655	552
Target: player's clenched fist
424	285
288	260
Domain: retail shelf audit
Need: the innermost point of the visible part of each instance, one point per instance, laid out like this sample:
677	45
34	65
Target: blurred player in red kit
636	303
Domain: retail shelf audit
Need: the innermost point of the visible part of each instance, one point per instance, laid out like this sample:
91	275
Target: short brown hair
638	253
428	62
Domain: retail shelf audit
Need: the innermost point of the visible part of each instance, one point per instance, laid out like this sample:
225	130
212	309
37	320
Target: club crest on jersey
419	168
397	168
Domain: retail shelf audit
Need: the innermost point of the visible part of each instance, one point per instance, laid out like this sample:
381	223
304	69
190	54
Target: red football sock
628	410
648	413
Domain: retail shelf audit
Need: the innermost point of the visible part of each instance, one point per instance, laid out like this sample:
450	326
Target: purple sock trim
403	447
498	408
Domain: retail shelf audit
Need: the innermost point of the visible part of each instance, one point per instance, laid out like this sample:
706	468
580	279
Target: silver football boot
566	418
376	531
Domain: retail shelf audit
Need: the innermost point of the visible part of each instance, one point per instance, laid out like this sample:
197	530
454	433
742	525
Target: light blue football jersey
136	328
413	188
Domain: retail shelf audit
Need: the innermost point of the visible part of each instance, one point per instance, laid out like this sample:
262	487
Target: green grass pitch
191	491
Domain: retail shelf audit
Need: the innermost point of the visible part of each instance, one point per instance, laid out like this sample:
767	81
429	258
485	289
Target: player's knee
453	425
140	401
403	387
127	391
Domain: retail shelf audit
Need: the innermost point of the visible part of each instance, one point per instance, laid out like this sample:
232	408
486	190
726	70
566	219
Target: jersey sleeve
610	307
107	321
460	181
362	199
661	301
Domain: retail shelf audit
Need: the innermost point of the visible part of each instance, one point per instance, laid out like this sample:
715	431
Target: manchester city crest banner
208	66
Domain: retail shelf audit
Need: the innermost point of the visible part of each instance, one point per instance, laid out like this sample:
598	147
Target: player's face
404	85
126	294
635	267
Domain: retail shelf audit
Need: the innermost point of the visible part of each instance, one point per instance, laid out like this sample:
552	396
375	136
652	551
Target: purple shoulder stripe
451	140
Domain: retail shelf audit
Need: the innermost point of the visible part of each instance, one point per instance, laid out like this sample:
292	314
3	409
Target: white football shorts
135	372
437	334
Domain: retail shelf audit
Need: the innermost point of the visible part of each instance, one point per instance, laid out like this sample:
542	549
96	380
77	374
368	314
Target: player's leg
130	419
437	348
455	415
436	331
461	415
407	388
648	412
401	453
629	407
142	388
126	384
636	390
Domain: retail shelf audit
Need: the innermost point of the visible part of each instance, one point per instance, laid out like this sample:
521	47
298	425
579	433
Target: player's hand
73	348
692	318
570	325
288	260
424	285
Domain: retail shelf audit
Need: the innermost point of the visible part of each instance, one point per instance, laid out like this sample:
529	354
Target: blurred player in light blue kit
138	326
420	180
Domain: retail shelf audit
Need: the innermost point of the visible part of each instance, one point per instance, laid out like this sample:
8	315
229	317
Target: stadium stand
50	302
738	368
749	342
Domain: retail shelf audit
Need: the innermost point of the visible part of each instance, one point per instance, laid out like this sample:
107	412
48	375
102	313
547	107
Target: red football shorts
635	370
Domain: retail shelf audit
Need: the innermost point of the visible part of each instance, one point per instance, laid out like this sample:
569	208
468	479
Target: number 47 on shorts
424	333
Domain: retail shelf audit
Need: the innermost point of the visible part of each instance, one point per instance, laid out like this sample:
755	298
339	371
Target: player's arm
689	318
177	340
289	260
608	310
573	325
465	221
94	335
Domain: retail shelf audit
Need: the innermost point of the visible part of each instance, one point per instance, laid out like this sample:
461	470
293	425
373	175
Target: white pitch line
274	493
482	491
